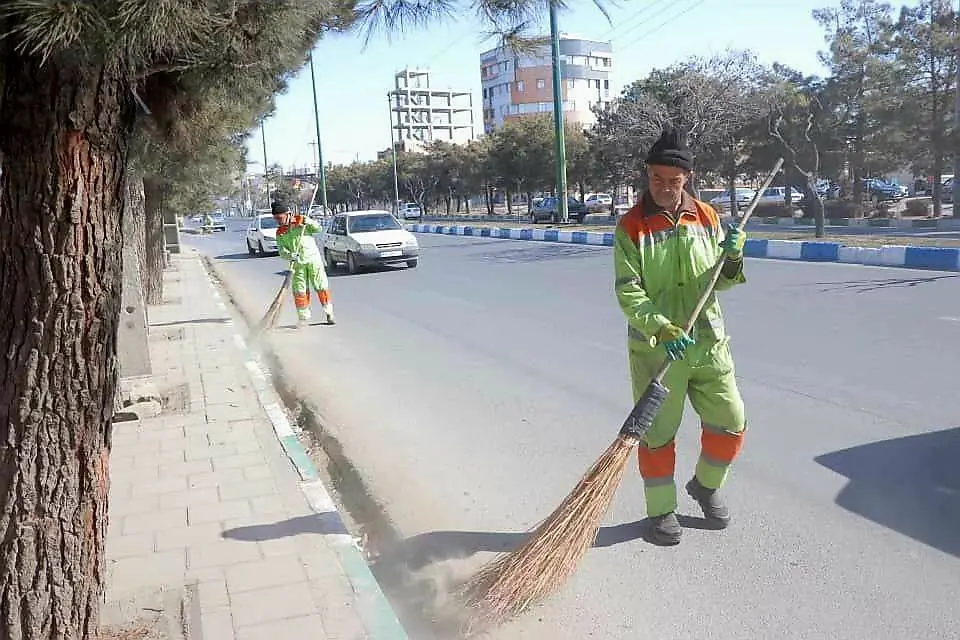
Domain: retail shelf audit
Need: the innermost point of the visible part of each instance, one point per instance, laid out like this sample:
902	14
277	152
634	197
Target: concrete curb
378	616
910	257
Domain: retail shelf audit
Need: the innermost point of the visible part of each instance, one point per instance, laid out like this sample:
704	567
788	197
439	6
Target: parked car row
356	239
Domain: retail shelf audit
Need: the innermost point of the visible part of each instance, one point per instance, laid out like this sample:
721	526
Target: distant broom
269	319
507	586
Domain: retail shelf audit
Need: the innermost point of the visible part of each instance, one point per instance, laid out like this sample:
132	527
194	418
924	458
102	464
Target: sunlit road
473	391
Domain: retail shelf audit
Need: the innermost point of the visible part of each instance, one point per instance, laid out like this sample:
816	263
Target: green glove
675	340
733	242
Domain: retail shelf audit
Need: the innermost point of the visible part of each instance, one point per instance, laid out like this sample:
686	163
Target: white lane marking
949	319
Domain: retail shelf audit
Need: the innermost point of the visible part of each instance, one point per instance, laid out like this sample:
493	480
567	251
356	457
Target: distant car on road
547	209
219	222
743	196
367	238
598	202
410	211
262	234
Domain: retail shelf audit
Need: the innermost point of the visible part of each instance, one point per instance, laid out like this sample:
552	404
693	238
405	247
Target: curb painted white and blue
378	616
910	257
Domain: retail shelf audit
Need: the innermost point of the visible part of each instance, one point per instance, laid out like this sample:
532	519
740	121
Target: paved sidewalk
217	492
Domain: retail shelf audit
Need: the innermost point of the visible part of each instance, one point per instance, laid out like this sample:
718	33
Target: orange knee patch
324	296
301	300
720	446
657	463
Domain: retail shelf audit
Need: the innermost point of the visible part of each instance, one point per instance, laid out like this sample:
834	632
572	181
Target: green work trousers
706	376
307	277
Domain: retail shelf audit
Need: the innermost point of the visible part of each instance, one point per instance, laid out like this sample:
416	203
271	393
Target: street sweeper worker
296	243
664	249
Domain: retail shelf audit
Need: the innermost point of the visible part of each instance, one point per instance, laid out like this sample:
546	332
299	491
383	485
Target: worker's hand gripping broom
269	319
508	585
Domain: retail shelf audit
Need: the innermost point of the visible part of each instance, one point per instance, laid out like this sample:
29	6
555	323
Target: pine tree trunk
153	238
64	137
134	207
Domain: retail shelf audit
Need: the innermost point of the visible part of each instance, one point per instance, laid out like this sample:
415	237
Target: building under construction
421	114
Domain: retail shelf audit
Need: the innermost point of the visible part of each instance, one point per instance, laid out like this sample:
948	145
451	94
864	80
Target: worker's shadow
420	551
910	485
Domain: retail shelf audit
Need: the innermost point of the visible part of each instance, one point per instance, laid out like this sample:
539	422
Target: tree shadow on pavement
910	485
540	253
865	286
235	256
189	322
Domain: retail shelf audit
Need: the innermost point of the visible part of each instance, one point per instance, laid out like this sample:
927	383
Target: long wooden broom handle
715	274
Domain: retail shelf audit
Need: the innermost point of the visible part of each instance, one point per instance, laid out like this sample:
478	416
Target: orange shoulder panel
707	214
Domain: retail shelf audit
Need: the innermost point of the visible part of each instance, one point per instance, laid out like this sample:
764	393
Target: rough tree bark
64	133
134	206
153	234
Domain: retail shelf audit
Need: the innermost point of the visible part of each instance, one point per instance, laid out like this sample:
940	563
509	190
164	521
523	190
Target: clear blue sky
352	82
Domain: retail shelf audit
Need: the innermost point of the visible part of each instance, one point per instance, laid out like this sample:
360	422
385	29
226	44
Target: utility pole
321	171
393	152
561	151
954	196
266	179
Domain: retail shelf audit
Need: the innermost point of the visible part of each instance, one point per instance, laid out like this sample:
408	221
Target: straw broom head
507	586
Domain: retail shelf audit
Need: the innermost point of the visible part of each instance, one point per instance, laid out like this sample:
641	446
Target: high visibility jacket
293	239
662	267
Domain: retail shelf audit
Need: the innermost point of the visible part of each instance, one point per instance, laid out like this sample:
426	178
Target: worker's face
667	184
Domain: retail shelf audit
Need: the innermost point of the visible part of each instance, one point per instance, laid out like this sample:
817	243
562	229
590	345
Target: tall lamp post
266	178
321	171
561	152
393	152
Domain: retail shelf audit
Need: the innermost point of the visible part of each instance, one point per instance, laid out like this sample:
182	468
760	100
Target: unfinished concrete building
421	114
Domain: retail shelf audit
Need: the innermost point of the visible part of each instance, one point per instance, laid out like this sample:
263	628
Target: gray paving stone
213	594
190	498
265	573
135	544
217	625
182	537
306	627
164	519
249	489
274	603
257	472
123	506
211	452
223	510
155	569
239	461
224	553
163	485
184	468
215	478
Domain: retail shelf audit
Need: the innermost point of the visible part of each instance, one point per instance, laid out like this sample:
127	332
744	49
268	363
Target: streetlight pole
561	152
266	178
393	152
321	171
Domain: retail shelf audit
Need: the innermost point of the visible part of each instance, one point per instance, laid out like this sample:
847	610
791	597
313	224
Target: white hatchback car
262	234
367	238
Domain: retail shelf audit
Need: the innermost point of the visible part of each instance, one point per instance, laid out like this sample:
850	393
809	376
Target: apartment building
517	85
421	114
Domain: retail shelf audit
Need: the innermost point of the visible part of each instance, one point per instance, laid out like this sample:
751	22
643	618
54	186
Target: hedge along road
473	391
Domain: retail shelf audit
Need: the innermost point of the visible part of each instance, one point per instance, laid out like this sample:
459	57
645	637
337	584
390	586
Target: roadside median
848	250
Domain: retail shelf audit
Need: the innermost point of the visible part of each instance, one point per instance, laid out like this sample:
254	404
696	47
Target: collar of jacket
688	206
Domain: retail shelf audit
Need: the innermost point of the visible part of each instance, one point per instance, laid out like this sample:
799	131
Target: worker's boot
714	510
302	322
665	530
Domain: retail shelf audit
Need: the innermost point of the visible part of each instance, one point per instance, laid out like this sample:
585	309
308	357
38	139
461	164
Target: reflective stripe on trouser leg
719	447
301	297
657	468
658	446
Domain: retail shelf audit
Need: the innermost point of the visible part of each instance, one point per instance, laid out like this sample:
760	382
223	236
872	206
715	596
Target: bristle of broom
507	586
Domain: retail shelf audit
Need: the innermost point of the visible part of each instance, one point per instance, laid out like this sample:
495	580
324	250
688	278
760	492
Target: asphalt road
473	391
